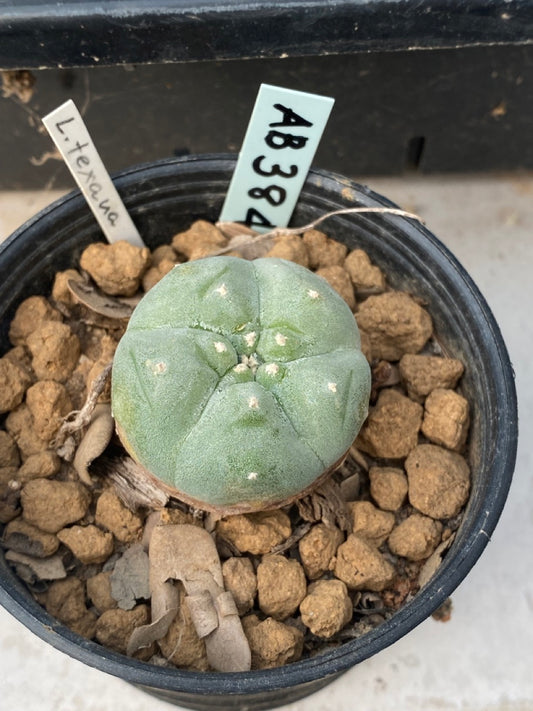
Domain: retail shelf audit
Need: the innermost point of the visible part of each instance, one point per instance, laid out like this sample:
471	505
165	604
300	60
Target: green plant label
68	131
281	140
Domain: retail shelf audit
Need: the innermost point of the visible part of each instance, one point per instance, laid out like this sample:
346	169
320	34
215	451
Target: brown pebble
439	480
444	612
48	403
289	247
424	373
177	517
39	466
327	608
255	533
114	627
8	479
107	352
391	429
9	510
338	278
317	549
395	323
99	592
272	643
388	487
416	537
117	268
19	424
21	356
31	313
88	543
107	345
366	346
52	505
93	340
65	600
55	351
323	251
75	385
241	581
116	517
9	454
21	536
369	522
446	418
154	274
164	253
202	236
13	384
60	289
181	644
281	586
361	566
85	626
366	277
7	474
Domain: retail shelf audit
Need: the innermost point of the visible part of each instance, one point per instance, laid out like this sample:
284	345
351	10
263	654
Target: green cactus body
238	383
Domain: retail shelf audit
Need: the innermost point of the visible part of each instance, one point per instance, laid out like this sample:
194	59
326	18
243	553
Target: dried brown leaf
325	503
51	568
256	243
357	456
247	242
94	441
66	440
350	487
188	553
293	539
131	483
232	230
165	605
96	300
130	579
432	564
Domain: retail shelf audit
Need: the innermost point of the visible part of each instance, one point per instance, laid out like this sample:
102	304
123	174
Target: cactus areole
239	384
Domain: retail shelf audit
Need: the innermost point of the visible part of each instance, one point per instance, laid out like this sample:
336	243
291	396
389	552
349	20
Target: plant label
281	140
68	131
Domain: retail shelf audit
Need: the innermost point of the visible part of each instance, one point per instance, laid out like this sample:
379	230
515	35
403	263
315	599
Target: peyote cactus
239	383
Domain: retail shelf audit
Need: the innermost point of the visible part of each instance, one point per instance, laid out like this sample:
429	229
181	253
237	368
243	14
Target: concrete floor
481	660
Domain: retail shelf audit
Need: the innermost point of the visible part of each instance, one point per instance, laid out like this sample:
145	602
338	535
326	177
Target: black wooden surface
37	34
431	110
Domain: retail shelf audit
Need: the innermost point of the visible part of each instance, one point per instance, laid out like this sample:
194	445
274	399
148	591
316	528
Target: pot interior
166	197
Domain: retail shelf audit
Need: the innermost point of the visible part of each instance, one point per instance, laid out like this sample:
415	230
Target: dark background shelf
429	86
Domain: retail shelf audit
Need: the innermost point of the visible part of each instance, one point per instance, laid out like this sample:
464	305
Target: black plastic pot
164	198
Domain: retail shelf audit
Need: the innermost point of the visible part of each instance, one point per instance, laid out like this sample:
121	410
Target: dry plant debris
158	580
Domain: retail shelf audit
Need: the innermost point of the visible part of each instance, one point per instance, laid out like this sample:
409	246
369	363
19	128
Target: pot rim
451	571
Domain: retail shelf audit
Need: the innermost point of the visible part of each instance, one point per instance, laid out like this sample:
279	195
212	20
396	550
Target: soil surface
323	570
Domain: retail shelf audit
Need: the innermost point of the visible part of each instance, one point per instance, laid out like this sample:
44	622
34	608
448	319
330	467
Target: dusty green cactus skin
238	383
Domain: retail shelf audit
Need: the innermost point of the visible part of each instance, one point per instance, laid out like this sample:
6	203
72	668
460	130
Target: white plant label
68	131
280	143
